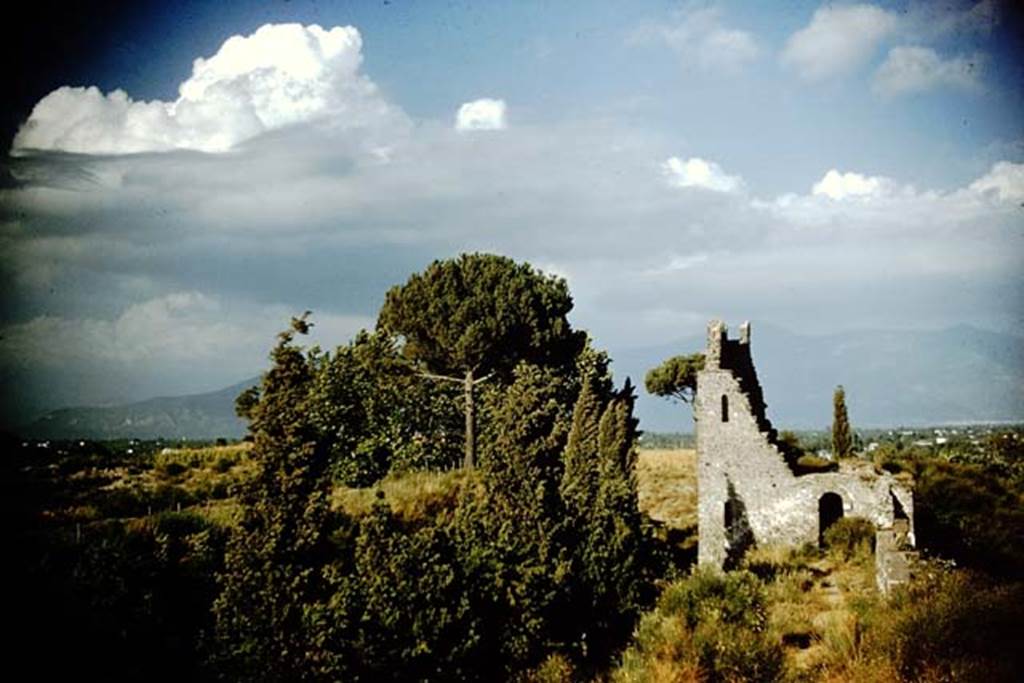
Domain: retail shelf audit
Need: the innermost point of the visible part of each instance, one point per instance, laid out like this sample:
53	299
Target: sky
181	178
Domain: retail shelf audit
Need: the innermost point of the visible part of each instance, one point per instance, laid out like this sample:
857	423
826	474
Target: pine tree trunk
470	459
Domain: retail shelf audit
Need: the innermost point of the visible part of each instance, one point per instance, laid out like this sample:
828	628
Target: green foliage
481	312
842	439
246	402
951	625
676	377
850	536
969	508
483	590
282	541
399	609
809	463
970	514
579	483
379	415
709	627
613	554
789	441
511	538
477	316
731	597
799	459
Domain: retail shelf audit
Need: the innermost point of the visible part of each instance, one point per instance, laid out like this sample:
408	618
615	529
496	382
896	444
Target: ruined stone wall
895	559
747	493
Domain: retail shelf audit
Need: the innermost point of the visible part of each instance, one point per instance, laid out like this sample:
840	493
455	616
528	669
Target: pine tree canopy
676	377
481	313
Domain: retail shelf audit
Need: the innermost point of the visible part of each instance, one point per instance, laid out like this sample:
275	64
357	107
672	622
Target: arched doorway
830	511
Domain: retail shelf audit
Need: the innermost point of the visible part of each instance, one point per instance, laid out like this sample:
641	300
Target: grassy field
804	614
667	486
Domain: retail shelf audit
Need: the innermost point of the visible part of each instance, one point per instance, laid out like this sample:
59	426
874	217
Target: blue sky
822	166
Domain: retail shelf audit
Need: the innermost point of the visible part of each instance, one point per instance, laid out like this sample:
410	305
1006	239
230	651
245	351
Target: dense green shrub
492	588
732	597
711	626
970	514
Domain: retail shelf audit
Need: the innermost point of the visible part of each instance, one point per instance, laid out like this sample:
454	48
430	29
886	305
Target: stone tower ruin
748	494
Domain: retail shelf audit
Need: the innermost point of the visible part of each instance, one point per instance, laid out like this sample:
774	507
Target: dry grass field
667	486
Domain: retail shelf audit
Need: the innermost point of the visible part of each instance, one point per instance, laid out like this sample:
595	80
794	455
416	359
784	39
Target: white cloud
700	40
280	75
697	172
839	186
1004	181
916	69
839	39
482	114
308	218
958	229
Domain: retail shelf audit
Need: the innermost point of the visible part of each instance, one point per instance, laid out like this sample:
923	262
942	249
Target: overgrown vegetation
345	543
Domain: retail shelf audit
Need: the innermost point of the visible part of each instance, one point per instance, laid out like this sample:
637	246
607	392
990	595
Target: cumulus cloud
910	69
697	172
839	186
280	75
481	114
184	264
839	39
227	247
1004	182
701	40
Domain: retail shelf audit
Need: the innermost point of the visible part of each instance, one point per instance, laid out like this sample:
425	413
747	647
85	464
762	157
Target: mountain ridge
954	375
206	415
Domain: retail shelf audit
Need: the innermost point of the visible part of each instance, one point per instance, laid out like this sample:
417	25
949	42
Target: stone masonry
749	495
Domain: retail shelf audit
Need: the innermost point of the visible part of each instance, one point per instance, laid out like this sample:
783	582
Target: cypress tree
508	542
273	559
616	543
579	481
842	440
603	520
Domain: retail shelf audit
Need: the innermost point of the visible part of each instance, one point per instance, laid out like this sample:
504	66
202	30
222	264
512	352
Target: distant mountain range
199	416
957	375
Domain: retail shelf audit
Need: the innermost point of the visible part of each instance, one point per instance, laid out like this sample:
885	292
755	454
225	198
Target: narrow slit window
725	408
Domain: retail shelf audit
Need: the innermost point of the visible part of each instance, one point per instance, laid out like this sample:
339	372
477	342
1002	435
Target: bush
730	652
732	598
808	464
172	469
954	625
709	627
850	536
